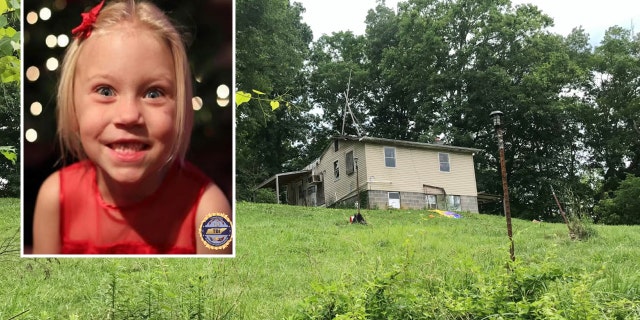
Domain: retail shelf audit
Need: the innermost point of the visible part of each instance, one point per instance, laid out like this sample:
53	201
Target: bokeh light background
207	26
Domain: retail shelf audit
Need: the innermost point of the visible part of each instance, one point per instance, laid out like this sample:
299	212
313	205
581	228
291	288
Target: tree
337	68
403	49
9	97
10	136
612	115
271	46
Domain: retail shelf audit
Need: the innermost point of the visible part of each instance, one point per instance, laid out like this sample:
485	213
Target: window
431	201
335	145
394	200
336	170
349	163
453	203
390	157
444	162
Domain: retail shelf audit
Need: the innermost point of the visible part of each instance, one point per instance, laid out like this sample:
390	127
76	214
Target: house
387	173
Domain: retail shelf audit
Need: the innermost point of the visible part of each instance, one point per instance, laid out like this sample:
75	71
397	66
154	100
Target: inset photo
128	128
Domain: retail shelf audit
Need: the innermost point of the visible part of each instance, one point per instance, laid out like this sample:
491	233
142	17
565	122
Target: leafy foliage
531	290
9	153
339	77
272	45
612	114
9	140
243	97
623	207
265	196
9	69
581	228
9	41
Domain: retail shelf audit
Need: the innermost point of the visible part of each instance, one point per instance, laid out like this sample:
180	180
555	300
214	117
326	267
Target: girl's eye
153	94
105	91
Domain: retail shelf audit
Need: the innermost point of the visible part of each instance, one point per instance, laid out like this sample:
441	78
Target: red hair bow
83	31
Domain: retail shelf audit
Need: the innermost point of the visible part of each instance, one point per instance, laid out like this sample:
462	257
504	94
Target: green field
293	261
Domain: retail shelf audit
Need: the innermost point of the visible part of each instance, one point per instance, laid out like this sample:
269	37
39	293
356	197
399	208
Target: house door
311	196
394	200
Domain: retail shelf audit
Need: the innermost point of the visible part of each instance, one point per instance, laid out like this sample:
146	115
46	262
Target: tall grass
292	259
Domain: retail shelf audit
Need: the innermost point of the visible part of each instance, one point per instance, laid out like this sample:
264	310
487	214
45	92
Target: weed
581	228
526	290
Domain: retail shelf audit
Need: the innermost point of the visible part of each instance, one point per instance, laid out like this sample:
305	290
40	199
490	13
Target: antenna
346	103
347	109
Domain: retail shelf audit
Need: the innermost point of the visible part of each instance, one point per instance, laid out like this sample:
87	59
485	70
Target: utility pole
497	123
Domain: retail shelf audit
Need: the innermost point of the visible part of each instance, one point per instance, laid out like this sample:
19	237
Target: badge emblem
216	231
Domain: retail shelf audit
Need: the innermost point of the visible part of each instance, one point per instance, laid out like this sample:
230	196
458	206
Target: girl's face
125	104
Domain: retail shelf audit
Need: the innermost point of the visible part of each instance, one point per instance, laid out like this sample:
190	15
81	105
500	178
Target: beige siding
417	167
345	185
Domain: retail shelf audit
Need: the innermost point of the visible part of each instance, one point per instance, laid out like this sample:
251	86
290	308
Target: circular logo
216	231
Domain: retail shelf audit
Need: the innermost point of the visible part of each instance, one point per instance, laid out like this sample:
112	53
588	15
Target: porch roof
282	179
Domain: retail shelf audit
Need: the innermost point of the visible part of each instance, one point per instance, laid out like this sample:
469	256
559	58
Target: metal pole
505	190
357	184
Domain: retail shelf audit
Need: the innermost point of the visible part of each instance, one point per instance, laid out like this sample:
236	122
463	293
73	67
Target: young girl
124	110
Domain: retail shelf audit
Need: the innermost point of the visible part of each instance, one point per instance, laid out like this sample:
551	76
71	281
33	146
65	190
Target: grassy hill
297	262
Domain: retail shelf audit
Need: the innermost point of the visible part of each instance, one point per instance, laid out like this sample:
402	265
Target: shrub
524	290
265	196
624	207
581	228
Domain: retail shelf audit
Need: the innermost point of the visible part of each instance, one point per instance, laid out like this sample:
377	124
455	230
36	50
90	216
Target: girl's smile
128	150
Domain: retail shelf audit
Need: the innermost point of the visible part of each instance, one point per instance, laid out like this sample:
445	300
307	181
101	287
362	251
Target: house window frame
349	163
454	202
394	158
399	197
336	145
336	169
431	205
448	162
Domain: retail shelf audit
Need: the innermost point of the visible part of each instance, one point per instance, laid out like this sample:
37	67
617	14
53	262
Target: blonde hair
145	15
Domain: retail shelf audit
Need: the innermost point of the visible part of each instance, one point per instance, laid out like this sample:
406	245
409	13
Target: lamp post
496	116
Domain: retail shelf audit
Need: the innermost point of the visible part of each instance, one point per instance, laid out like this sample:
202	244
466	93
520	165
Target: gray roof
421	145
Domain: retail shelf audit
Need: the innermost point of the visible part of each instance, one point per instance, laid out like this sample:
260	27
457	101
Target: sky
595	16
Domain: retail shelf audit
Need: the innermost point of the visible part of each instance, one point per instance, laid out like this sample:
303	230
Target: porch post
277	189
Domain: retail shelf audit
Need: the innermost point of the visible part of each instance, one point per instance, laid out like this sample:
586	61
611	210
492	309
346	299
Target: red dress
162	223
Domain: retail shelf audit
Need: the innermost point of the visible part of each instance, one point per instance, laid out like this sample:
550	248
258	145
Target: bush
581	228
265	196
525	290
624	207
